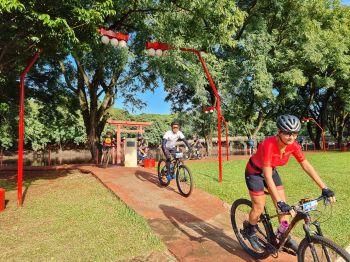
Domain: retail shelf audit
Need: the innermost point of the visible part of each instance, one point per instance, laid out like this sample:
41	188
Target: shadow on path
153	178
203	231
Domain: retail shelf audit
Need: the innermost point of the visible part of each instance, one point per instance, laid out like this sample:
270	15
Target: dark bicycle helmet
288	123
175	122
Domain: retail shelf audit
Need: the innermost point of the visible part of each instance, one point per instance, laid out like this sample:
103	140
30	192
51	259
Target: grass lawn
334	169
71	217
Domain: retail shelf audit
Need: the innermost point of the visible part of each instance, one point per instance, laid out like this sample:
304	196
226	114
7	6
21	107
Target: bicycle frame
300	215
176	163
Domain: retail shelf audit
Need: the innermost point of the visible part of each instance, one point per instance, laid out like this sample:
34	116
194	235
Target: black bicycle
314	247
178	170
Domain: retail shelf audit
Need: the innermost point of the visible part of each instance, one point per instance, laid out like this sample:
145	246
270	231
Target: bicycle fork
306	228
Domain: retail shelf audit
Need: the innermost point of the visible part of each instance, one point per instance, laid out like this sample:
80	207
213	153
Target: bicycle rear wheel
239	219
162	171
321	249
184	180
107	158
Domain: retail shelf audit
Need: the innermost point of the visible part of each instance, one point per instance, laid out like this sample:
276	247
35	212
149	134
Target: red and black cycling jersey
269	155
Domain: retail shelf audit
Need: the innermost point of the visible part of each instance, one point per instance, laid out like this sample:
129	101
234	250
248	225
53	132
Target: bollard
2	199
149	163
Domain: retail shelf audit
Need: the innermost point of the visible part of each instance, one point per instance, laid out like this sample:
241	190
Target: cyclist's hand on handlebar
326	192
283	207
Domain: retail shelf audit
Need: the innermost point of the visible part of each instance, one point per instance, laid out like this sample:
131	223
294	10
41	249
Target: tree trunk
206	131
209	143
93	144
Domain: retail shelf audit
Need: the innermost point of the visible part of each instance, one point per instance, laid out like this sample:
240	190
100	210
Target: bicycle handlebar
308	205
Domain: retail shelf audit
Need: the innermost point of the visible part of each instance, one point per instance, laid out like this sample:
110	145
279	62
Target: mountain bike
106	155
178	170
314	247
195	154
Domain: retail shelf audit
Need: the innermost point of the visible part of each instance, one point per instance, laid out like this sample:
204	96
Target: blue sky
155	103
155	100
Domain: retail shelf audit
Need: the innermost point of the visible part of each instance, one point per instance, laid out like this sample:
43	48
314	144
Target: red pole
118	144
322	133
21	128
219	137
164	46
218	109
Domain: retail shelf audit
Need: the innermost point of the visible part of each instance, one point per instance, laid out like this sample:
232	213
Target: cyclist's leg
109	153
103	154
290	243
280	189
167	159
171	152
255	186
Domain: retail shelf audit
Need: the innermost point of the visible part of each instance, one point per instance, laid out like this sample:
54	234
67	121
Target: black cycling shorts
256	182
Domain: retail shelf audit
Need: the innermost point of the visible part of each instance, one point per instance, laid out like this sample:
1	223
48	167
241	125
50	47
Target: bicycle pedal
289	251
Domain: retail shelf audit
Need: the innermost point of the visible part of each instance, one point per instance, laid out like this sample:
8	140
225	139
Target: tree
55	125
338	113
7	137
287	59
94	64
160	124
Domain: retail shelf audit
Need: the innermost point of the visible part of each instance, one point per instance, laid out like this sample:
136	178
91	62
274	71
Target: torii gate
119	129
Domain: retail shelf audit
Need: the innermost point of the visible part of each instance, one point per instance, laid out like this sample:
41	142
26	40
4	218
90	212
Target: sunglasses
175	127
295	134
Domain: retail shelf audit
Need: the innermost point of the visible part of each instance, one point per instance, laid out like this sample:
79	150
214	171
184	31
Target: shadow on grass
200	231
8	178
214	179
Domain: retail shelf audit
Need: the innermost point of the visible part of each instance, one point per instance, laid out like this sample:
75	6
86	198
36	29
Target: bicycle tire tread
321	240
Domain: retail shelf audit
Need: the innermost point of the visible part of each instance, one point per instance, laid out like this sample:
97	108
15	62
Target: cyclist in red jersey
261	172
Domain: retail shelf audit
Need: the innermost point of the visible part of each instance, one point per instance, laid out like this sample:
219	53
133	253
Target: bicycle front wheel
321	249
239	219
184	180
162	171
106	158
